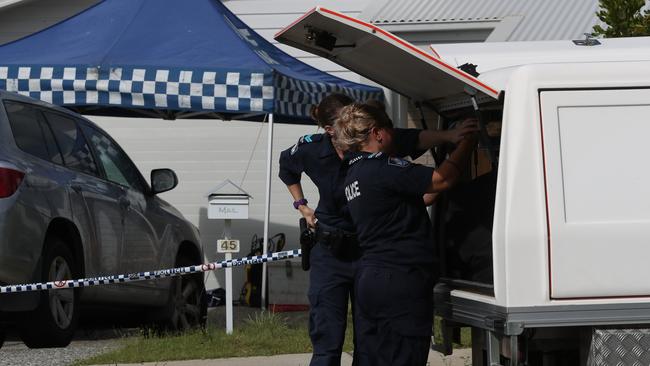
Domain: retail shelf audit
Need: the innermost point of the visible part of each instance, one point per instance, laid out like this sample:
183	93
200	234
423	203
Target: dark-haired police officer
333	258
396	273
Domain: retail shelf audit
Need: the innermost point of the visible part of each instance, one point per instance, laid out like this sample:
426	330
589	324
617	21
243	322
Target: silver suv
72	205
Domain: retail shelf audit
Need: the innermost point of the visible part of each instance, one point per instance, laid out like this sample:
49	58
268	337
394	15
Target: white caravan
548	240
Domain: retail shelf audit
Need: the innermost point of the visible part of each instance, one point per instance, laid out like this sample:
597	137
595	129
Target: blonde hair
355	122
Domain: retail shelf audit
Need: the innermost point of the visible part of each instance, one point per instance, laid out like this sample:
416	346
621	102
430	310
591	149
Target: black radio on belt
306	243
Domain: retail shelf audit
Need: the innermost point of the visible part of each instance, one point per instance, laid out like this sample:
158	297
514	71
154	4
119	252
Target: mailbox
228	201
228	206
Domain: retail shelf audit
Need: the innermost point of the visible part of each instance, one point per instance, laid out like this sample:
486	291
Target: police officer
333	258
395	276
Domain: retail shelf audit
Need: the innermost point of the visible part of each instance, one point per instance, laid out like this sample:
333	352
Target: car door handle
76	187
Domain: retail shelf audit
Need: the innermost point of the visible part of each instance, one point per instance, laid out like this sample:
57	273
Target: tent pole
267	207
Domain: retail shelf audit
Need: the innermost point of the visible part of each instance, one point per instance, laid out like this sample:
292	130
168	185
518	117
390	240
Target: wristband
299	203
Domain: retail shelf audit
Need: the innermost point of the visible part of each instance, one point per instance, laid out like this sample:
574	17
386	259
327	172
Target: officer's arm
297	194
428	139
296	191
449	171
291	168
306	211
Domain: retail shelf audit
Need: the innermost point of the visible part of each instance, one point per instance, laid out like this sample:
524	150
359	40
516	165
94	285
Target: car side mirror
163	180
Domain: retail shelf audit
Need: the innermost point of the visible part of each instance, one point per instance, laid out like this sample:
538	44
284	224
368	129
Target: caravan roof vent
588	41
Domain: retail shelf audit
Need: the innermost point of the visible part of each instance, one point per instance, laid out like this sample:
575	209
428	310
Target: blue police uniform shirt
316	156
384	195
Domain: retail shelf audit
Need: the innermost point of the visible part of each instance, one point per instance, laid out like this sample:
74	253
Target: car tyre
2	337
54	321
187	306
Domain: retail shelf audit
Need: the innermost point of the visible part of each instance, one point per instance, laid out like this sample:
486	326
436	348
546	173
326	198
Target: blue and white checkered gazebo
169	59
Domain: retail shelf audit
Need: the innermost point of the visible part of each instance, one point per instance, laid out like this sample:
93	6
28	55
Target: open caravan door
381	56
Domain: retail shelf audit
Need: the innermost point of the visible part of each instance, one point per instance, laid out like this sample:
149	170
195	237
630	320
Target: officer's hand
464	128
472	138
309	215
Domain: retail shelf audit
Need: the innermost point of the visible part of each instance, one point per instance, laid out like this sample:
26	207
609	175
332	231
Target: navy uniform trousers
331	284
394	315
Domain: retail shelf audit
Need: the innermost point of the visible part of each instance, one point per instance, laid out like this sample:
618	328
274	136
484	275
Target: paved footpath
459	358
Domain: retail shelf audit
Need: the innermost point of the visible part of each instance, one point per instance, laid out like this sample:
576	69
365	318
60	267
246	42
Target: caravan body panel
524	258
598	191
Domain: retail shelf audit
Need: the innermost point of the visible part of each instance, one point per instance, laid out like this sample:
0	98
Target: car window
117	165
31	132
74	148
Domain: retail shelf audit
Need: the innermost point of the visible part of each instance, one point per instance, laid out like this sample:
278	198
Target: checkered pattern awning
296	97
172	89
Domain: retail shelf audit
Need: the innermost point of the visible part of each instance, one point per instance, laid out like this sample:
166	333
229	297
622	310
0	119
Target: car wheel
187	305
53	322
2	337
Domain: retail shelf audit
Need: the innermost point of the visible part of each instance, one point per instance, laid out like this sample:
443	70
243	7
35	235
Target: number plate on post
227	246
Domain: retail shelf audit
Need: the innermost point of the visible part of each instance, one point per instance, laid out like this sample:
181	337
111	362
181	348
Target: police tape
143	276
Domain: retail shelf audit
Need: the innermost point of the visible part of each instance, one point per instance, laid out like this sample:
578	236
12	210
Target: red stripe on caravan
412	48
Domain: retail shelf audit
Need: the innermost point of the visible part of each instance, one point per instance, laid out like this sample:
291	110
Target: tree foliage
623	18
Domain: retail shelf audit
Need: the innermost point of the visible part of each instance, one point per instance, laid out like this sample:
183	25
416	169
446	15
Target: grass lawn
263	334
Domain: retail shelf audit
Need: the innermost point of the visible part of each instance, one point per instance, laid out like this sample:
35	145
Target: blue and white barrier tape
142	276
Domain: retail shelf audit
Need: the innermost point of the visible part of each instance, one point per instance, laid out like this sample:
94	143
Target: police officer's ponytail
355	123
327	111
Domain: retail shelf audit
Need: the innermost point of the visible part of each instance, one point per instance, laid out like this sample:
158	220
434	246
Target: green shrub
623	18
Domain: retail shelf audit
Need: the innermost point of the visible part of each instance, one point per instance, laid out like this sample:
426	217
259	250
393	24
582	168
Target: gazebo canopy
167	58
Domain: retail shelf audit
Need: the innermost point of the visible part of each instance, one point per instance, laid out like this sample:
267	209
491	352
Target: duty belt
343	245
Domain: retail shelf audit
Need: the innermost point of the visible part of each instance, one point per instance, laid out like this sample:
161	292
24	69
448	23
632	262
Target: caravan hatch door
380	56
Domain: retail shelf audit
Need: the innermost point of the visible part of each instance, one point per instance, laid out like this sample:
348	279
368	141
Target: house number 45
228	246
